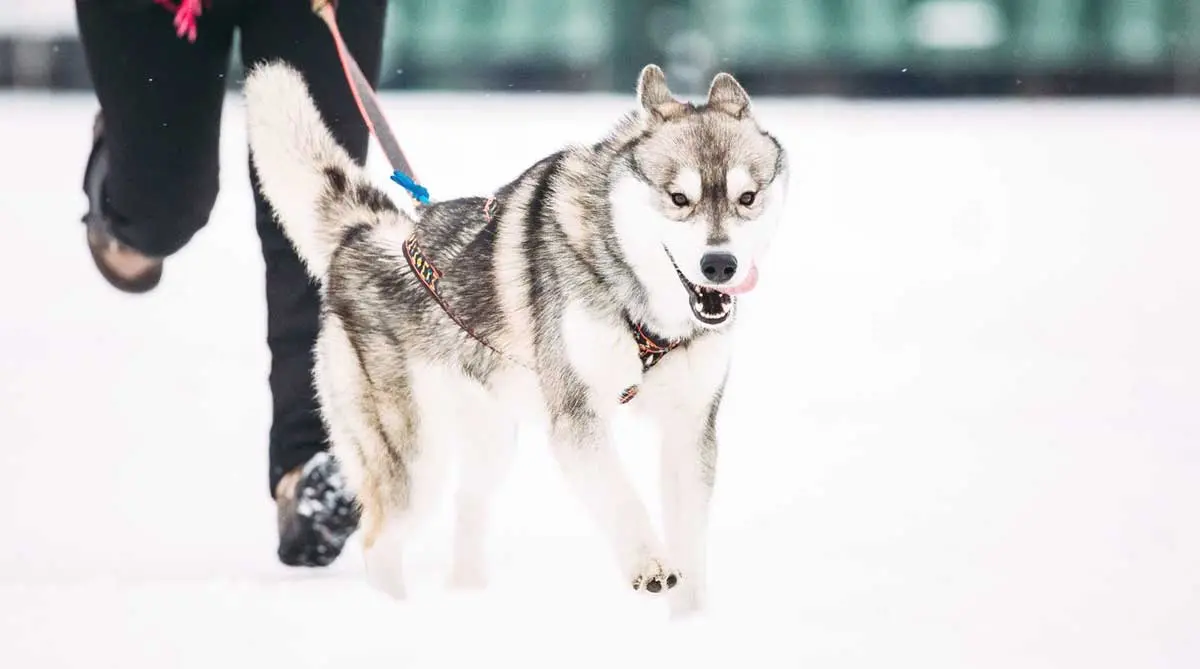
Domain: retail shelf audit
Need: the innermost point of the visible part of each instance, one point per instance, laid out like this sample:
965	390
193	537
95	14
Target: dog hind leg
383	548
373	435
487	445
407	493
394	464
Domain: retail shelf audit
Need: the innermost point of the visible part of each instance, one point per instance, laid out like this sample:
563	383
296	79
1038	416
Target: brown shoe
123	267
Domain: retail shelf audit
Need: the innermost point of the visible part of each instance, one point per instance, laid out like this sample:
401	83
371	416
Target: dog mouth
709	306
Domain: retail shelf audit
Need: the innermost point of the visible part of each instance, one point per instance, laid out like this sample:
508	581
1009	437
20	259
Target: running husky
558	293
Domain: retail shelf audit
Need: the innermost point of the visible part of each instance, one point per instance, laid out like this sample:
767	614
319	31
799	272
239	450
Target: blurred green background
864	47
785	47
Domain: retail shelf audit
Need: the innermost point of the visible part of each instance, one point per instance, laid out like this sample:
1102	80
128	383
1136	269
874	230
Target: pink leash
186	12
364	95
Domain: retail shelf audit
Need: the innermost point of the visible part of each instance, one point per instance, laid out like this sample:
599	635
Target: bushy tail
316	189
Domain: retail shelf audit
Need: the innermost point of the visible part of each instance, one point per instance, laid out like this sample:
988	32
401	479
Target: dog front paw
654	577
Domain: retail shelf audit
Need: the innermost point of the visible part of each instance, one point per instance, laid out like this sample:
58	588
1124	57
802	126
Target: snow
961	430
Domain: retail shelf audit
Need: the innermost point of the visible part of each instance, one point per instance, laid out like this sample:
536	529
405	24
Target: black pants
162	97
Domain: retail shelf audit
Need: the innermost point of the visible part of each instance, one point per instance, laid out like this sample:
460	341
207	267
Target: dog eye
679	199
747	198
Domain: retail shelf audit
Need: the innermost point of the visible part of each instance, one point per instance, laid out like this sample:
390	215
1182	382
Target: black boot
316	511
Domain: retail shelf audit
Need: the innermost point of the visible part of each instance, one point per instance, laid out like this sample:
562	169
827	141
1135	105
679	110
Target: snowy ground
961	432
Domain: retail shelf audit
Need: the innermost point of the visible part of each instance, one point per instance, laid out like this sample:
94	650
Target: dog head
711	184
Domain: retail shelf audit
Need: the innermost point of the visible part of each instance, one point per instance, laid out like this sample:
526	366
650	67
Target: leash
368	105
402	172
651	348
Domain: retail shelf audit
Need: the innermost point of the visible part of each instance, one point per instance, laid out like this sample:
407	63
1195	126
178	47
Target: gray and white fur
660	223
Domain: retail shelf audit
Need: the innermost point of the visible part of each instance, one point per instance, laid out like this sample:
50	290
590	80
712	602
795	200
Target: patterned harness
651	348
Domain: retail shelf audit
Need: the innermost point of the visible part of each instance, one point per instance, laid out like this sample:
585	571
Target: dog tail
317	191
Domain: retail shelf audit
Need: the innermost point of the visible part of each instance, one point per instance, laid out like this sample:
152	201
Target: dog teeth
723	308
703	299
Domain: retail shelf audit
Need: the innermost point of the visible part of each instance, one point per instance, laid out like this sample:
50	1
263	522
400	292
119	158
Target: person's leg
289	31
152	176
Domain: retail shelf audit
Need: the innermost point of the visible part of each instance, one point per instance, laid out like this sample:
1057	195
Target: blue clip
411	186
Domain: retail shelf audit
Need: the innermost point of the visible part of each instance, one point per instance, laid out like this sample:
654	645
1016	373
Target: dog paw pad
655	578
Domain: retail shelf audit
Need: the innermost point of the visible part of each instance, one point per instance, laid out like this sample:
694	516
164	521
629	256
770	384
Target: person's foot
317	513
123	267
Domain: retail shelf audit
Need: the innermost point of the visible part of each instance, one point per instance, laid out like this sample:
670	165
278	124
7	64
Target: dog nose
718	267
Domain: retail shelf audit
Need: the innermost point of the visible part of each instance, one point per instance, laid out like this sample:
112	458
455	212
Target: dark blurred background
851	48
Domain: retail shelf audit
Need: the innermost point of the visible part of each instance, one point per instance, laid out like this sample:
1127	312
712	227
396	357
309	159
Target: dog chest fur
603	354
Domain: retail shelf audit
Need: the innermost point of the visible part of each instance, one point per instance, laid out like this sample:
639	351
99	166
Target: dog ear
727	95
655	96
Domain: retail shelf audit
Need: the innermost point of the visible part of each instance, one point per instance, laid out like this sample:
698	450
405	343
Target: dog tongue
745	286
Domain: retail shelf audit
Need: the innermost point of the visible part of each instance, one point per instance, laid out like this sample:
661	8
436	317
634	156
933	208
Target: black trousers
161	97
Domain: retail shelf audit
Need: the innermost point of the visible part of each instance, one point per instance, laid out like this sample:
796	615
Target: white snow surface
961	431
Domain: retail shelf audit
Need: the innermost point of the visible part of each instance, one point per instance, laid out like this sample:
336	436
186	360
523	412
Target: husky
604	276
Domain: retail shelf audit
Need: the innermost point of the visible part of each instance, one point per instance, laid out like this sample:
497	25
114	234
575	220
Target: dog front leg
591	467
688	470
